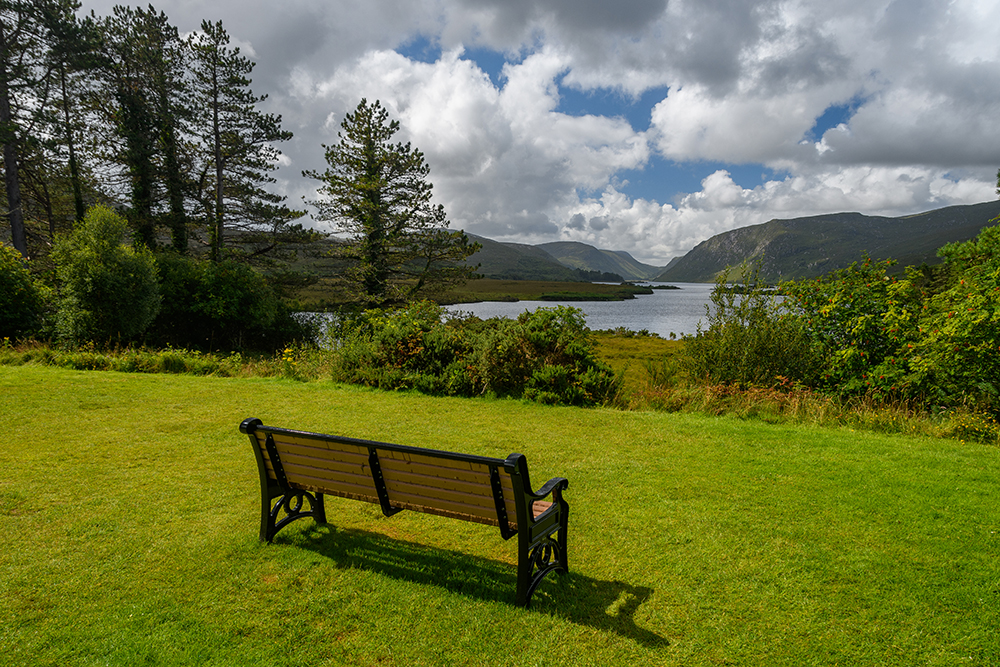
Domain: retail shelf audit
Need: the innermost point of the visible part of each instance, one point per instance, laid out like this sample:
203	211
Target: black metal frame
290	500
542	541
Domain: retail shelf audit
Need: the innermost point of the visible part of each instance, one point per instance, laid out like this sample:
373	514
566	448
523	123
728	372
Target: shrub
227	305
22	301
861	321
546	356
956	359
751	339
108	289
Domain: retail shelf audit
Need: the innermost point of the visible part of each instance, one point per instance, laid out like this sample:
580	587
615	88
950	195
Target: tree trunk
14	211
219	166
74	171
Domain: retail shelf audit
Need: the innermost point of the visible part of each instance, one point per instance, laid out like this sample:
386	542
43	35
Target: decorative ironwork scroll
543	558
292	504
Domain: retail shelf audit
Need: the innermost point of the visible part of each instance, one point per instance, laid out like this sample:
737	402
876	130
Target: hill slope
582	256
516	261
812	246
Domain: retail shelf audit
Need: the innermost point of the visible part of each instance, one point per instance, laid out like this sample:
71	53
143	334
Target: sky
639	125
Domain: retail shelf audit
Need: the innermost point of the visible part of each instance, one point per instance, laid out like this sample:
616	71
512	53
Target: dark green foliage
31	35
860	320
212	306
143	66
236	149
751	340
108	290
545	356
930	339
956	357
21	299
378	194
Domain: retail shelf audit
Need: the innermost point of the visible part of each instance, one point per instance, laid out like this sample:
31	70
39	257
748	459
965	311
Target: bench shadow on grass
604	605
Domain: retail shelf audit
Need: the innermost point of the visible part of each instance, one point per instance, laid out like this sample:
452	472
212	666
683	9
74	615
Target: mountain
812	246
517	261
582	256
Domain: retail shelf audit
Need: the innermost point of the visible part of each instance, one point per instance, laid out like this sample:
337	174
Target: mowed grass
129	508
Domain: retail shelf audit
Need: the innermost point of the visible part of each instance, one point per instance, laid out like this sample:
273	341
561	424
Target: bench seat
299	468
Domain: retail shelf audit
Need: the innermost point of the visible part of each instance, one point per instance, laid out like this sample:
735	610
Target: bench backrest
397	476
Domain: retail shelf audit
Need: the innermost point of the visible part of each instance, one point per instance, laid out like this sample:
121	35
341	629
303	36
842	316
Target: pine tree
144	65
238	147
29	32
378	194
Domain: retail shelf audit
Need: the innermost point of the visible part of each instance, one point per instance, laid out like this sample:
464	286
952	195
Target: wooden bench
298	467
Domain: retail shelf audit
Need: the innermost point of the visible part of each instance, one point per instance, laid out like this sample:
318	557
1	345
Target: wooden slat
339	494
432	460
539	507
333	465
487	520
506	482
448	484
431	496
333	487
427	466
320	453
320	444
420	483
294	471
426	504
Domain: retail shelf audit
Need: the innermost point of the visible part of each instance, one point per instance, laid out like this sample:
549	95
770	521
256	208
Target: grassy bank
129	506
328	292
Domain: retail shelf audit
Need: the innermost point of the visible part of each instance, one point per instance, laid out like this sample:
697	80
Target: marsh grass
128	505
654	378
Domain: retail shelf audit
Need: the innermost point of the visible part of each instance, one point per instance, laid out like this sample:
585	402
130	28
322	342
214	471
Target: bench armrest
555	485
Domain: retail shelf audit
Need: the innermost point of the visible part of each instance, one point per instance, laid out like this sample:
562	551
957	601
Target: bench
298	468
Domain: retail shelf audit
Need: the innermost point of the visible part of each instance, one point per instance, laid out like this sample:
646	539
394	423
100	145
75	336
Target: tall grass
655	378
651	376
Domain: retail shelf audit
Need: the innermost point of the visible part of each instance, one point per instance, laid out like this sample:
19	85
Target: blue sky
641	125
659	179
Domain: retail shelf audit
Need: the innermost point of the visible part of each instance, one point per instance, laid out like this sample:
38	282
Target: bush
751	339
22	301
861	321
956	359
545	356
214	306
108	289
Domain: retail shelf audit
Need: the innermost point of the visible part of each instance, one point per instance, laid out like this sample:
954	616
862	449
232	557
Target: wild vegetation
377	192
179	241
928	342
545	356
177	133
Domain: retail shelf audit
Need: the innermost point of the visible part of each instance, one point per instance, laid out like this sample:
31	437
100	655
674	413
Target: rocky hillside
812	246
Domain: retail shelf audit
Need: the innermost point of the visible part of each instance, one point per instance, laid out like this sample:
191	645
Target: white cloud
654	233
747	81
502	160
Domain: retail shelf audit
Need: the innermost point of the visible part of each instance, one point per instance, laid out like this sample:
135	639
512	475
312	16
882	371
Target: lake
663	312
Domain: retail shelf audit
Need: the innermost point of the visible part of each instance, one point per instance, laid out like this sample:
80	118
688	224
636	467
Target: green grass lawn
129	504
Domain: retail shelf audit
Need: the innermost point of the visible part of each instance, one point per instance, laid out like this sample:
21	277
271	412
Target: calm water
663	312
